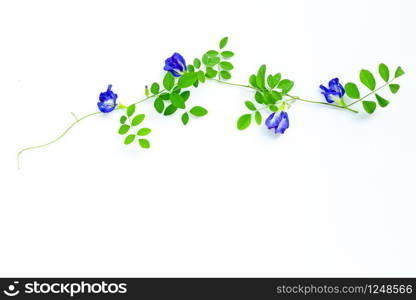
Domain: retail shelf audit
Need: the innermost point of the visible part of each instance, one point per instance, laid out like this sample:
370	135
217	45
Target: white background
333	196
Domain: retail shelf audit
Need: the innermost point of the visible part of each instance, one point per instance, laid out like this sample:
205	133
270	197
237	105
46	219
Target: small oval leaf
137	119
168	81
367	78
159	105
177	100
144	143
143	131
129	139
198	111
123	129
244	121
185	118
130	110
352	91
369	106
258	117
154	88
384	72
250	105
223	42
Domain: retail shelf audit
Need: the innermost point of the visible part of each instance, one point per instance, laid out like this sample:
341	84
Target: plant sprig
271	94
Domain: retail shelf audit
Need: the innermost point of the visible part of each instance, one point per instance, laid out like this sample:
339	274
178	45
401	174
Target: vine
271	95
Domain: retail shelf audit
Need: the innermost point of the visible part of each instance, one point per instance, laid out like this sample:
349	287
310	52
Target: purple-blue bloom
279	122
335	90
107	101
175	64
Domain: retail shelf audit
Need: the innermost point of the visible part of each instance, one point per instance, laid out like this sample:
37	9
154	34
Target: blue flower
280	123
175	64
107	101
334	92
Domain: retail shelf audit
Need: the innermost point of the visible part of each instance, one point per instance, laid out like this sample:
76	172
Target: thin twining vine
272	95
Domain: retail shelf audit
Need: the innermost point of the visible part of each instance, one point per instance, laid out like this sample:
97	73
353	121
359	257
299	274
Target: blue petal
268	121
324	89
333	83
179	58
283	124
328	97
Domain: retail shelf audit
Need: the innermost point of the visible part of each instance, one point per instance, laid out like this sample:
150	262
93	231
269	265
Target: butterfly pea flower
279	122
107	101
334	92
175	64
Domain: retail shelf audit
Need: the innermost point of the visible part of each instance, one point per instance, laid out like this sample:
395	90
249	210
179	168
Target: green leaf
131	109
137	119
369	106
367	78
177	101
257	117
271	81
381	101
226	65
223	42
252	80
250	105
201	76
210	73
268	98
123	119
185	95
170	110
197	63
168	81
205	59
164	96
276	96
123	129
394	87
185	118
273	108
244	121
227	54
212	61
399	72
384	72
212	53
259	97
159	105
144	143
352	91
261	73
225	74
191	69
129	139
186	80
285	85
155	88
198	111
143	131
277	77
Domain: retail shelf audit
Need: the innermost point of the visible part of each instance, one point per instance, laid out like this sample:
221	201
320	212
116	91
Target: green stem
72	125
230	83
293	97
372	92
323	103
